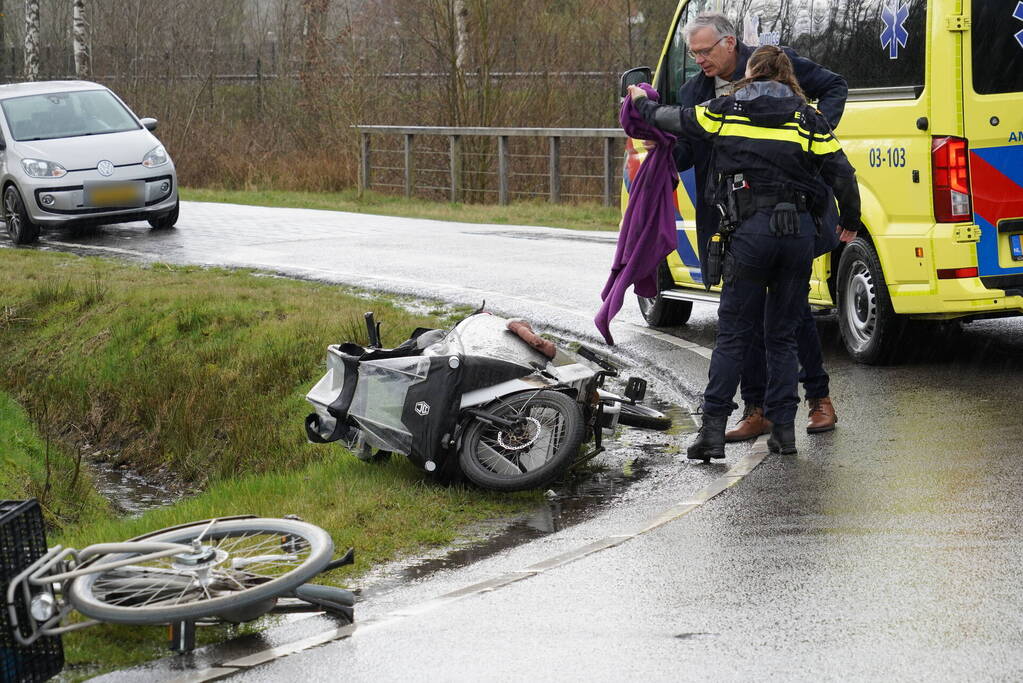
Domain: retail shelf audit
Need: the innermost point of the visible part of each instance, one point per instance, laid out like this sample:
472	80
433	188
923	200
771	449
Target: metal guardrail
455	155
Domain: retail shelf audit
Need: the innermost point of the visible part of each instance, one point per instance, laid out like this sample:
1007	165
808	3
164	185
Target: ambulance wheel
661	312
871	329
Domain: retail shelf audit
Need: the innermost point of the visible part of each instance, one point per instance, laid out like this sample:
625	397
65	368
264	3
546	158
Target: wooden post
555	169
408	164
502	170
456	167
608	170
364	177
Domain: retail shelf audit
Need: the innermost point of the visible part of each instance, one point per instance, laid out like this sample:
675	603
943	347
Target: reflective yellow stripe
826	146
757	133
709	122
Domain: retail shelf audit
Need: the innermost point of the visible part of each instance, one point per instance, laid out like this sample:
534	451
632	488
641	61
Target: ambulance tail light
950	174
956	273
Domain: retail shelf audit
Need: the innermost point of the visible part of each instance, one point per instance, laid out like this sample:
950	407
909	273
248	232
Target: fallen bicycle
233	569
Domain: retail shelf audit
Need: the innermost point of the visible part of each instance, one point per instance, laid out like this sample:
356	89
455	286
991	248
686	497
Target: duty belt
769	201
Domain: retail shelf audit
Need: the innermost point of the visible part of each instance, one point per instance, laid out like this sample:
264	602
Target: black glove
784	220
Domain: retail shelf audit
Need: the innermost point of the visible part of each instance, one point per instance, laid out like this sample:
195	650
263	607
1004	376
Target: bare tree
79	29
32	40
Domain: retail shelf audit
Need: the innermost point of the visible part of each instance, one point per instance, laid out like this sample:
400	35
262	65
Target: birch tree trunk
32	40
3	42
462	34
80	31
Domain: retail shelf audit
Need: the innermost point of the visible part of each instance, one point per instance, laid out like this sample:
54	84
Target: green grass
33	465
200	373
536	212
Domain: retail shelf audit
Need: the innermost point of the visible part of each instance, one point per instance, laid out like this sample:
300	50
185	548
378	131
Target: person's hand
636	92
845	236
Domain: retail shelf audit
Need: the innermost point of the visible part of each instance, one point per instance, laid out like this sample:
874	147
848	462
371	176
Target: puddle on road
595	487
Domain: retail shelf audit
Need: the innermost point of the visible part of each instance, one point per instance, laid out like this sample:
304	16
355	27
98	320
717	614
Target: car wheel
661	312
19	226
165	221
871	329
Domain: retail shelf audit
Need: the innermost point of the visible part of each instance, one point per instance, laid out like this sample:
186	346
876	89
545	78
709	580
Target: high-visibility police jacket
773	138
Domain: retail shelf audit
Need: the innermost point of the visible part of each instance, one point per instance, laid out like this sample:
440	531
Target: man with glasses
722	57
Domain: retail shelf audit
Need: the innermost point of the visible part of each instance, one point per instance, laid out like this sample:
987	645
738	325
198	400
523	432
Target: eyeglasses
706	51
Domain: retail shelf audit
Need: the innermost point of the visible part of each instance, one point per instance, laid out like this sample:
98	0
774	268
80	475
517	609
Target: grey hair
718	21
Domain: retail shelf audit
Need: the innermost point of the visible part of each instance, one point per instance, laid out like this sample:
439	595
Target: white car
72	153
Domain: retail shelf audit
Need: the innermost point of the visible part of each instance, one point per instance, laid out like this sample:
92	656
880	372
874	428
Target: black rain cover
431	409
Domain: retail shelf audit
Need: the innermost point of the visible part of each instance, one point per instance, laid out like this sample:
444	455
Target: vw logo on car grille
105	167
423	408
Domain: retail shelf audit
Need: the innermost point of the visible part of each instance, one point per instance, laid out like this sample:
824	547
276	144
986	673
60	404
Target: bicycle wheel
236	563
643	417
547	434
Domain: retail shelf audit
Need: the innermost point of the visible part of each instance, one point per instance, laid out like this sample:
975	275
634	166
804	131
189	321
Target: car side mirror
148	123
641	74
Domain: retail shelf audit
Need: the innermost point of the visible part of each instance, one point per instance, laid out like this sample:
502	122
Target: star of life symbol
1018	14
422	408
894	16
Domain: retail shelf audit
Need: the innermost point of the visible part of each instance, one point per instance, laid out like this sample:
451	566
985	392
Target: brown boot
752	425
822	415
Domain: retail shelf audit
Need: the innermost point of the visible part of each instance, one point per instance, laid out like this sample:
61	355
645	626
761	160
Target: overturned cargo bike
488	399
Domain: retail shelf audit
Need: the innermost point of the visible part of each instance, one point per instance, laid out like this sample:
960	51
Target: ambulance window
872	44
996	30
679	67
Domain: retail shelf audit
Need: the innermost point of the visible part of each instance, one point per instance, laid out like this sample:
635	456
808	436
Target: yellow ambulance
933	125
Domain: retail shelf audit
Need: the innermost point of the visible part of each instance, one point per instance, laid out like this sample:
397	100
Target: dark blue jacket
827	87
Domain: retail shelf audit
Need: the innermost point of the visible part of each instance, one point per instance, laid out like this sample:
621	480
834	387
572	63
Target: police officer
769	151
721	57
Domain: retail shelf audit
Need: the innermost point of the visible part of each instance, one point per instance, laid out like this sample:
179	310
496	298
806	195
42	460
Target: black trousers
766	291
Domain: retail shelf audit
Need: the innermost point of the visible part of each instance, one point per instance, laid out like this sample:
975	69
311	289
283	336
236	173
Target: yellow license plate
119	194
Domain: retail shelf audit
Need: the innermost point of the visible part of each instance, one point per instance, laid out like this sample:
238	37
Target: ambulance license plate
1016	242
102	195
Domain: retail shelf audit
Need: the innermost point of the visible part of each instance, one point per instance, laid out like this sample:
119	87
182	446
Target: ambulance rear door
993	126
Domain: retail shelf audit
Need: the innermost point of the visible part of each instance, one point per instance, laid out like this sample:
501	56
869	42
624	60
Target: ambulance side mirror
641	74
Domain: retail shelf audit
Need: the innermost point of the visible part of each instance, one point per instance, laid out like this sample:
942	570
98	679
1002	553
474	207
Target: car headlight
155	157
37	168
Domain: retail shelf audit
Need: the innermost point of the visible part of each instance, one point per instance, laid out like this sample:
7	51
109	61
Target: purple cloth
647	233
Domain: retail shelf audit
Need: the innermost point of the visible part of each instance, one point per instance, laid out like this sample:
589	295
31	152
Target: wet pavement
886	549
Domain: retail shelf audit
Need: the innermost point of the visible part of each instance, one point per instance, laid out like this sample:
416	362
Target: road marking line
733	476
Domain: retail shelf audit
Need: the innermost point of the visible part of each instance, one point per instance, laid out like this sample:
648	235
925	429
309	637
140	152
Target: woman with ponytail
769	151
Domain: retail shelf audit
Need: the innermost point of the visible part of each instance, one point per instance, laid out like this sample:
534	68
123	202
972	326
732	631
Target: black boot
710	442
783	439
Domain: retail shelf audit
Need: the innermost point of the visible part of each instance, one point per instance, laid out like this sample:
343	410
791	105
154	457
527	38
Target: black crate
22	541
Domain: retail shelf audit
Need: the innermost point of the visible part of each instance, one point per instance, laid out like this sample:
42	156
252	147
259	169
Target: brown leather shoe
822	415
752	425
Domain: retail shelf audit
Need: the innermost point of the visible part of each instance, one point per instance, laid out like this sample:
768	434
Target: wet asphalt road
887	549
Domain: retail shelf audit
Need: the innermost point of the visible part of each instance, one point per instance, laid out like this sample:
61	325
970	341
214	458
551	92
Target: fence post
502	170
364	179
408	164
608	170
456	167
555	169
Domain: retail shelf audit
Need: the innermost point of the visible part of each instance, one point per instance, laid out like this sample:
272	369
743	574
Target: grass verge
199	374
535	212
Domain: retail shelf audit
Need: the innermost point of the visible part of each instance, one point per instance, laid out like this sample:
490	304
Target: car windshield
66	115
